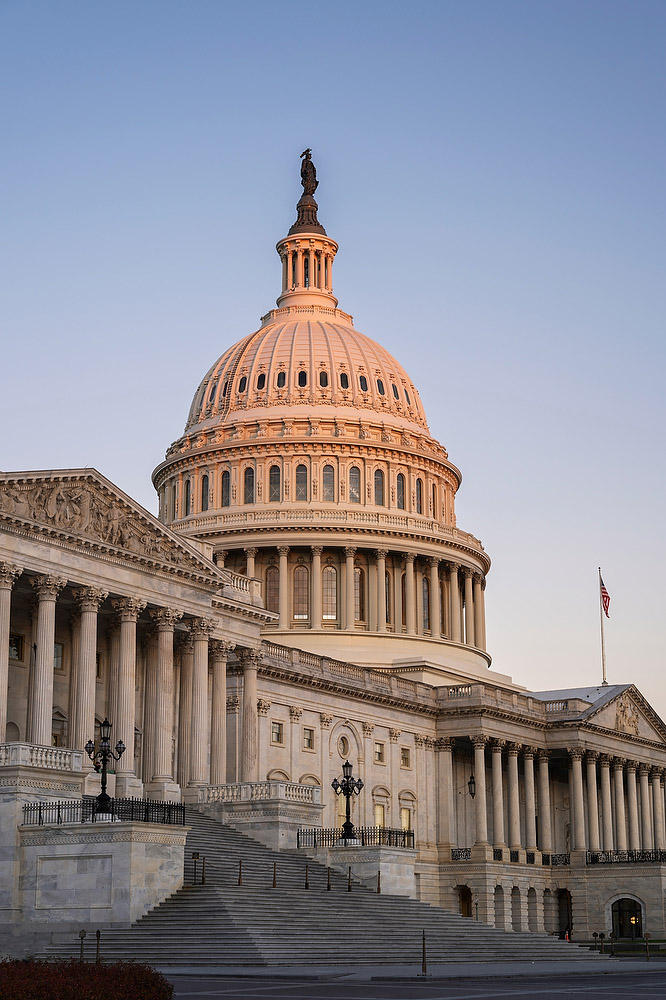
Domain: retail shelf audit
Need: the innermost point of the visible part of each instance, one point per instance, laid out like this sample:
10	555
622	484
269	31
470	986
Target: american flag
605	596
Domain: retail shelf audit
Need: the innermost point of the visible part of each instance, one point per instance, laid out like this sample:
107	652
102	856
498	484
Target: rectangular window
405	818
379	753
57	656
15	647
380	815
308	738
405	757
277	734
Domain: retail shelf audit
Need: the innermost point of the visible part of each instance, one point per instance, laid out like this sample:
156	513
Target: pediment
82	506
631	715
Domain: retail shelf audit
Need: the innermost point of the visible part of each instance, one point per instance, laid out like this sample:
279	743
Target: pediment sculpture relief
626	717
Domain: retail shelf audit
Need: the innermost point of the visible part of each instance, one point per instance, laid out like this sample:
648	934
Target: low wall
270	811
396	865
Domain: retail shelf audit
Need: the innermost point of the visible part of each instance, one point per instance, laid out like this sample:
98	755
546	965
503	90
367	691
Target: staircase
224	924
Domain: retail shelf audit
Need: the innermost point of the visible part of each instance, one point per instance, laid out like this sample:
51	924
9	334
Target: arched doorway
465	900
627	918
516	923
564	910
499	906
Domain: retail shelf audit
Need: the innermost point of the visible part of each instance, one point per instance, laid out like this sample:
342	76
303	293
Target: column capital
283	550
381	553
529	752
444	743
9	574
89	598
618	763
410	557
543	754
295	713
368	728
604	760
128	609
631	765
251	552
643	768
350	551
250	658
325	720
576	753
220	649
452	567
47	587
420	739
479	740
592	755
479	578
165	618
201	628
316	549
656	772
513	749
433	561
468	572
263	706
497	745
394	735
184	642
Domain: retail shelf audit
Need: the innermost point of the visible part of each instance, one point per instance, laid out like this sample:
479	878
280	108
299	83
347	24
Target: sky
495	175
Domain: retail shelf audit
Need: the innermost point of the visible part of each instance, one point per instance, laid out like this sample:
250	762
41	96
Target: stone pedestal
270	811
396	865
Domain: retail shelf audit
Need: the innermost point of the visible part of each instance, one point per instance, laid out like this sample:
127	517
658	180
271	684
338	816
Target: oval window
344	380
363	383
261	381
323	379
302	379
380	387
242	385
281	379
343	746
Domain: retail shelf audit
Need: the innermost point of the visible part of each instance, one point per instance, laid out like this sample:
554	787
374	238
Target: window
379	757
389	617
272	589
248	485
419	496
363	382
302	379
330	593
400	484
226	388
344	380
204	493
395	390
261	381
277	734
242	385
379	487
359	595
15	646
188	497
329	484
281	380
274	484
434	500
380	387
405	817
354	484
301	482
301	593
405	758
343	746
323	379
308	738
58	660
426	603
226	480
409	402
380	815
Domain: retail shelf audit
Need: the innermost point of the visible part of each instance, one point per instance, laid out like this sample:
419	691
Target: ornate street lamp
100	759
471	786
347	787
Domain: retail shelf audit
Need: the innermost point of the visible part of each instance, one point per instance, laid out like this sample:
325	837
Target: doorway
627	918
565	912
465	900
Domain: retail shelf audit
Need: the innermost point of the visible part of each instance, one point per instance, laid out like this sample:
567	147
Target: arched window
344	380
354	484
301	482
434	500
395	390
363	382
359	595
329	593
403	601
226	388
301	593
323	379
226	479
302	379
261	381
274	484
188	497
389	594
400	490
272	589
204	493
380	387
419	496
248	485
426	603
379	488
329	484
242	385
281	380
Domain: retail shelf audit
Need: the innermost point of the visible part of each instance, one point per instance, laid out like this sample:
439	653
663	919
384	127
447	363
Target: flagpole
604	682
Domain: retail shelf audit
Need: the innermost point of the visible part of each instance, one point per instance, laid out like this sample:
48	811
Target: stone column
186	649
295	715
315	585
480	799
128	609
546	842
283	552
9	574
514	797
350	552
250	658
445	807
75	624
397	596
620	818
657	809
113	645
469	607
454	595
299	268
47	589
530	801
201	629
498	794
381	590
250	555
435	599
606	808
312	274
479	623
218	716
592	801
632	801
646	824
88	601
410	594
149	704
579	841
162	785
285	271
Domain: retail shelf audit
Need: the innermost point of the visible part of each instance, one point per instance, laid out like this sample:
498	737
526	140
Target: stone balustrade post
9	574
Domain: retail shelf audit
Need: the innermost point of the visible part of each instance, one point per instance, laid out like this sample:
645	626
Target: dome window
274	484
242	385
323	379
426	604
204	493
261	381
281	379
344	380
419	496
379	488
302	379
395	390
301	482
248	485
226	479
329	484
363	382
400	484
272	589
359	595
301	594
380	387
409	402
226	387
329	595
188	497
354	484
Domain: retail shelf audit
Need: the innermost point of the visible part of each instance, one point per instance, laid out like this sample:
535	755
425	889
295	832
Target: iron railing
365	836
85	811
498	854
461	854
625	857
556	860
514	856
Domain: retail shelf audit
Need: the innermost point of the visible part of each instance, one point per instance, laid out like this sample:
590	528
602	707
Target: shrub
30	980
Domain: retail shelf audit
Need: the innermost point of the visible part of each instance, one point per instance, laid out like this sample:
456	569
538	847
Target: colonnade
306	267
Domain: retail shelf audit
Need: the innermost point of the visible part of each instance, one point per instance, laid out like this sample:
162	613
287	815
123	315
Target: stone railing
460	691
257	791
556	706
32	755
625	857
525	704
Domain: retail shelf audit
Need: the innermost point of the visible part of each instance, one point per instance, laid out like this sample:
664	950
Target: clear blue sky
494	173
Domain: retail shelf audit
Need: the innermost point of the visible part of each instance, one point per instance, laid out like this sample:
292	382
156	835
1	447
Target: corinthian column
445	800
250	556
9	574
435	599
530	800
469	608
546	842
162	785
620	815
315	583
201	629
592	801
88	600
186	650
128	610
646	825
480	800
250	658
218	717
454	597
498	794
479	617
47	589
514	797
283	585
606	809
410	594
381	590
657	809
579	841
632	801
350	552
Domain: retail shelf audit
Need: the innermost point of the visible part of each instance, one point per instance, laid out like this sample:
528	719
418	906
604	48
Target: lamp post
347	787
100	759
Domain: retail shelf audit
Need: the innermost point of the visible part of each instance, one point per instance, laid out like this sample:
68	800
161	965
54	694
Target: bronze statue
308	173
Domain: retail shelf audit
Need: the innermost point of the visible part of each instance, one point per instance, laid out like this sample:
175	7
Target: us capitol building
305	596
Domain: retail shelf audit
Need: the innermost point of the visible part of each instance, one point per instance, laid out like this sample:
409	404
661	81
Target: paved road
611	985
